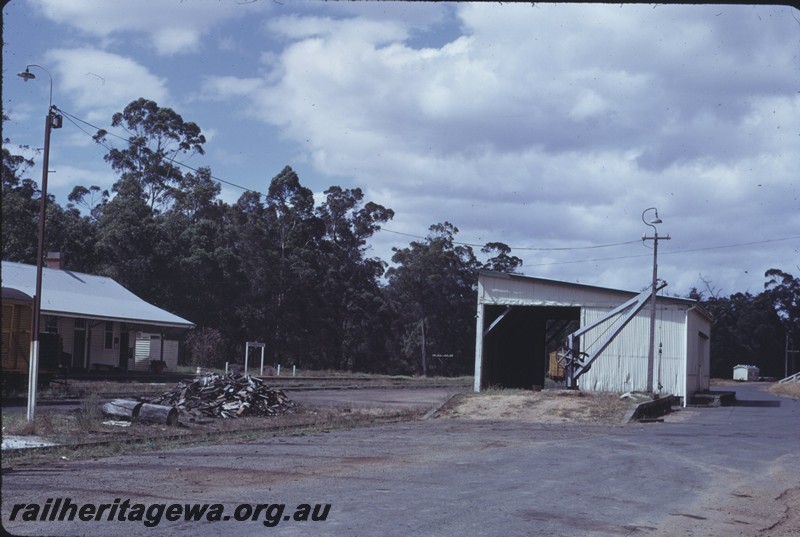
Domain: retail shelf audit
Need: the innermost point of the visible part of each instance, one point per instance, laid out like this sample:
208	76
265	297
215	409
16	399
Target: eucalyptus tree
91	200
195	247
274	277
500	261
247	315
20	209
432	288
746	330
157	138
133	242
294	235
351	296
784	292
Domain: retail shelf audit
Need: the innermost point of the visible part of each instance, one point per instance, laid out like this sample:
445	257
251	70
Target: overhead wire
75	120
668	252
525	248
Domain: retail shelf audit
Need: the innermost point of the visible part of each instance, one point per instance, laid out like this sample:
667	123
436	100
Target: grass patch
82	389
89	414
786	389
43	425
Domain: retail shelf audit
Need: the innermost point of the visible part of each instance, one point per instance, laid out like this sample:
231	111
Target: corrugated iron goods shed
520	319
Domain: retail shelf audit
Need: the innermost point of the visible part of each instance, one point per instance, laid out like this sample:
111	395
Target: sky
553	128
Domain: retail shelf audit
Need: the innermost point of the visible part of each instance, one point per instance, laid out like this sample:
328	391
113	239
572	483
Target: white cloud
100	83
230	87
66	177
557	124
174	26
536	125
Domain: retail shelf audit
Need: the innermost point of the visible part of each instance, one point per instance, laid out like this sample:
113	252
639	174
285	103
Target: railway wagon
17	325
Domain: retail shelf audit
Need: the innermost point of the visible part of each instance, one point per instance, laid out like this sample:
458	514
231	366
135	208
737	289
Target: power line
526	248
73	120
669	252
753	243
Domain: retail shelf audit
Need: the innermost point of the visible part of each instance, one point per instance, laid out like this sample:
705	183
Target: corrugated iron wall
492	290
623	365
681	335
698	363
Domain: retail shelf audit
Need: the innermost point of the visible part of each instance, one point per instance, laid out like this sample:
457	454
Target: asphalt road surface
706	472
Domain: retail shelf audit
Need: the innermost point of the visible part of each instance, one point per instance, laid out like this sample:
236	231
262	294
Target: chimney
55	260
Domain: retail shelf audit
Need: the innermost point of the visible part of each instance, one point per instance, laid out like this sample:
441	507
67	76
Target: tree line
275	267
281	269
755	329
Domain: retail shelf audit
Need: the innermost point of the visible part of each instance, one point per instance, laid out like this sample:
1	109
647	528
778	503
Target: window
51	324
109	334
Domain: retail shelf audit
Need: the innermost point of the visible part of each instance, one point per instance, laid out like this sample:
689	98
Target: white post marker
247	354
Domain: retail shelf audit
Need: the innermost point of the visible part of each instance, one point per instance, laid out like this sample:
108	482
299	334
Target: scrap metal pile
231	396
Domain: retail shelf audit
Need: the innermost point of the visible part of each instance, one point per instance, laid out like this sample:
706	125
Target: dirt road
704	472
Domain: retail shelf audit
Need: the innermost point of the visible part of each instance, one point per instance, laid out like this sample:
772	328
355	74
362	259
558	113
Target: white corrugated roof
74	294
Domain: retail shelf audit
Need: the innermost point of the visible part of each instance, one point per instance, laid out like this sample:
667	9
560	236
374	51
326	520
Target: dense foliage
281	269
761	330
275	267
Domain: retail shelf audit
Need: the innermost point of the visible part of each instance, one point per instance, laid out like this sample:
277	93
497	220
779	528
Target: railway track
175	440
411	399
148	387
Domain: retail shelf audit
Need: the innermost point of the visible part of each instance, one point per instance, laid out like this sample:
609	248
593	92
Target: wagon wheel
563	357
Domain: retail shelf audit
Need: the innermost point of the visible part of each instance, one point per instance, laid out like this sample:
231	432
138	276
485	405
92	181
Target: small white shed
747	373
151	348
521	318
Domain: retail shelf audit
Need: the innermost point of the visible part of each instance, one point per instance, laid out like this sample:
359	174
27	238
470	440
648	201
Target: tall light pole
651	351
52	121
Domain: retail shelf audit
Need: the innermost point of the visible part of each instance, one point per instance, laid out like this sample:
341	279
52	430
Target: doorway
515	348
124	342
79	344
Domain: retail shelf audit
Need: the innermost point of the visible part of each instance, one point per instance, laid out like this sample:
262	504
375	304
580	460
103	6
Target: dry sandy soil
548	406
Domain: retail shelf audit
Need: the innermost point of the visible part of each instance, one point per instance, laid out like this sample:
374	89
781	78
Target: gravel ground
714	472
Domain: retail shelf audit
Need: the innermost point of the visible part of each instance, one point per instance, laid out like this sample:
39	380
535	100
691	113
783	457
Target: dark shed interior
515	351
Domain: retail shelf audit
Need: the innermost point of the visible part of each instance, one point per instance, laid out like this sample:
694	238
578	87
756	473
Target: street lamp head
654	221
26	75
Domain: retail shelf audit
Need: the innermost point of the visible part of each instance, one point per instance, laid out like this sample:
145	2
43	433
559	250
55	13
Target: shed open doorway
516	341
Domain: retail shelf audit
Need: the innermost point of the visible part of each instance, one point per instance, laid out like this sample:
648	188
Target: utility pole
52	121
653	291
